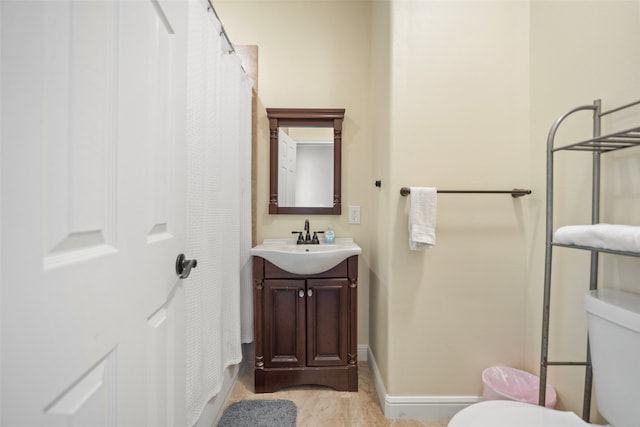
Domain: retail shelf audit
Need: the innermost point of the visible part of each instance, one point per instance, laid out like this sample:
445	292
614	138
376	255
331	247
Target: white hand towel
608	236
422	218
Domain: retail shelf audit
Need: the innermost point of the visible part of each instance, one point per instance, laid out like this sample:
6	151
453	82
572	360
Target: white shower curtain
218	206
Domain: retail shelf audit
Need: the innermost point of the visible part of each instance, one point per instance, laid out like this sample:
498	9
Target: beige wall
454	94
314	54
460	101
380	250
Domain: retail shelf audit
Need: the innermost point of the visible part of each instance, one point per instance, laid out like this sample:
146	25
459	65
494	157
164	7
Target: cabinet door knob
301	293
310	292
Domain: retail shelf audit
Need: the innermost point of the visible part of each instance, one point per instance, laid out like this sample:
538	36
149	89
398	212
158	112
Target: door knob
184	266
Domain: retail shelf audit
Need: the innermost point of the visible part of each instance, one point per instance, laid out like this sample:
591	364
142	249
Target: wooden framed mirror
305	160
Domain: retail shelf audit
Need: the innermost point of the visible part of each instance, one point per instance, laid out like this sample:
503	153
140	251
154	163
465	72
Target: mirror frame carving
305	117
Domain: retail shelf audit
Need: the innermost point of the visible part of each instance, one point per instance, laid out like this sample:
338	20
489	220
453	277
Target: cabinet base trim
341	378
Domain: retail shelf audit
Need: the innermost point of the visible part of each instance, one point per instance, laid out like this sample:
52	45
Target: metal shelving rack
598	145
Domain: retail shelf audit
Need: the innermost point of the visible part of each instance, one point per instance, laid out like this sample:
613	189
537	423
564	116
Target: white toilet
614	334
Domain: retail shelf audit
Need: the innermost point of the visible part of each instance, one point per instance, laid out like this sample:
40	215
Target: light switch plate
354	214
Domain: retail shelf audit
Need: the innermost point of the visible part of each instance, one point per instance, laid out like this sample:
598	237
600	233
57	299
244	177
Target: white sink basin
306	259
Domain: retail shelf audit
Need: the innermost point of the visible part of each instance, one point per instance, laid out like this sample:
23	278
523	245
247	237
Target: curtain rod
222	30
516	192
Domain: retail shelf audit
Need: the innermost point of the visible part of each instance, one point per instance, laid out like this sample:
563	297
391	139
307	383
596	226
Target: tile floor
322	406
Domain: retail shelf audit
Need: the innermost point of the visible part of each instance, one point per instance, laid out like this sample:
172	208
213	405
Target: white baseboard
427	408
363	352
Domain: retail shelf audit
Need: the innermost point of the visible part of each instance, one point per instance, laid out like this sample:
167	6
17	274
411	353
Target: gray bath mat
260	413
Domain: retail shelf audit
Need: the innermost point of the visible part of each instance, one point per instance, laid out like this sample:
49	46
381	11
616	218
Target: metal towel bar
516	192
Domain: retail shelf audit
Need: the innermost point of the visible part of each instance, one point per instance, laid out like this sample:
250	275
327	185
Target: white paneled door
93	212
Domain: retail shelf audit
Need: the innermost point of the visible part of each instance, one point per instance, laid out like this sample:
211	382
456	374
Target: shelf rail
598	144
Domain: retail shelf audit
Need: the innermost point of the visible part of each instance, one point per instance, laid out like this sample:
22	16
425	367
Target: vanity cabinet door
305	327
327	322
284	323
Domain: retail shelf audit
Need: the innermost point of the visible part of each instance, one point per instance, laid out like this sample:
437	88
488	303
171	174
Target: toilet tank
614	334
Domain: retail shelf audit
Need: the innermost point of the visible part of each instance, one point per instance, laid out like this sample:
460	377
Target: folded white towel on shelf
607	236
422	218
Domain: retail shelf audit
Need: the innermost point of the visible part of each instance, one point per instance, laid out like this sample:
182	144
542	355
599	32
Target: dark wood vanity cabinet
305	327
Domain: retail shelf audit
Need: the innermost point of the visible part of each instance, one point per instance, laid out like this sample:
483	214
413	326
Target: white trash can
504	383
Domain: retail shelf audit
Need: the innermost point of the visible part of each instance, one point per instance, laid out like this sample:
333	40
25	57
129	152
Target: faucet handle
300	237
316	239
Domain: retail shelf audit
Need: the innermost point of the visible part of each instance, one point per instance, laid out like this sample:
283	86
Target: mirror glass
305	167
305	160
